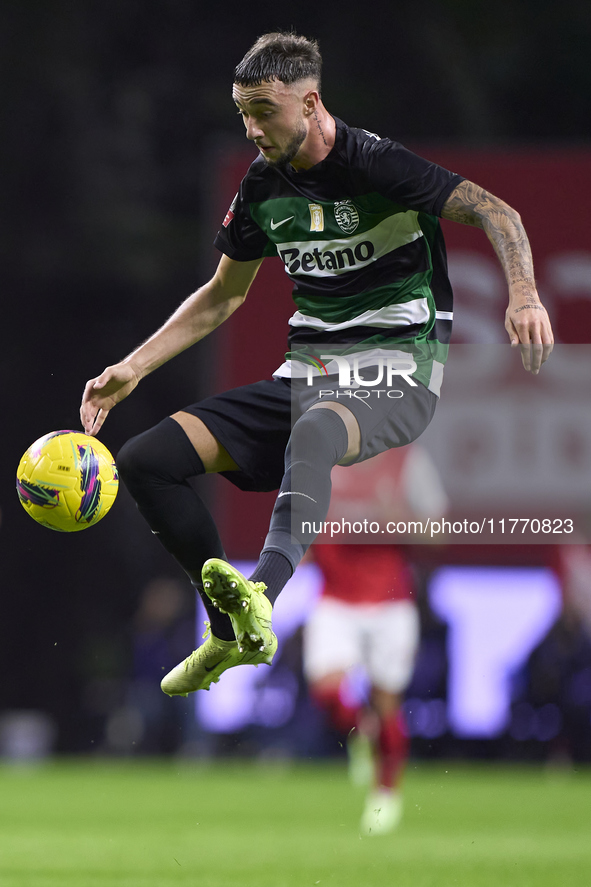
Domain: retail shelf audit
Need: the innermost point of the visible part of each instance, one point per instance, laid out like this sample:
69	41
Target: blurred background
120	154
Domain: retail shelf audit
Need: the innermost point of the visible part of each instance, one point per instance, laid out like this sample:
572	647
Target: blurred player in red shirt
366	617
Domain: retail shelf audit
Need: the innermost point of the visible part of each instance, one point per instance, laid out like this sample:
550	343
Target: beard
291	149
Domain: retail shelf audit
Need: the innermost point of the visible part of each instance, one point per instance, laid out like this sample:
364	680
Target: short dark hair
280	55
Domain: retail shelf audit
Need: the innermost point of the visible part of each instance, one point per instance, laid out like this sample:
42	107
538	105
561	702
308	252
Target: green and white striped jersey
360	238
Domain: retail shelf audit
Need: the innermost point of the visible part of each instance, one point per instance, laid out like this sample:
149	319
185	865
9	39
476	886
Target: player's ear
311	99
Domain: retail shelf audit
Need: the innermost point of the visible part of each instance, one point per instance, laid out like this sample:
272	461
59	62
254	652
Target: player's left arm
526	319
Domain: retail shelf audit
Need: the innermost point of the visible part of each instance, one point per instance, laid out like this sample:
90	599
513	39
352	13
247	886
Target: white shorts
383	638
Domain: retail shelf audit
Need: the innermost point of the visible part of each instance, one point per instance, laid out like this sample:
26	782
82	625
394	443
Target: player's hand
104	392
528	326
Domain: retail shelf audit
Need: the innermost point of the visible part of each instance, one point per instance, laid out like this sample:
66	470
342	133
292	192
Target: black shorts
253	422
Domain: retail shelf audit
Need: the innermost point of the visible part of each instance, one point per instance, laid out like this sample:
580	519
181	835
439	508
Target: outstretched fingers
92	415
104	392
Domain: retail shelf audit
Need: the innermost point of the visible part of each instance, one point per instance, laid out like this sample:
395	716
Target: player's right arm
197	316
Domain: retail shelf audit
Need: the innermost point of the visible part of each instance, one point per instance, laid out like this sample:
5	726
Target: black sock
155	467
318	441
275	571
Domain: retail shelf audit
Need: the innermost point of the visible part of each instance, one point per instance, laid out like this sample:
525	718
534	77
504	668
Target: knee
317	424
135	459
318	433
383	702
162	454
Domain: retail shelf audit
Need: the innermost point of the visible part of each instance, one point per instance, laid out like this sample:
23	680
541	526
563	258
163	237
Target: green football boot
382	813
206	664
246	604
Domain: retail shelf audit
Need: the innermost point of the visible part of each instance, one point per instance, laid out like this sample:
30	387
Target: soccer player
355	220
366	620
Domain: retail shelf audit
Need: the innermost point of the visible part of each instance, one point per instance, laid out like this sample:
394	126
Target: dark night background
111	114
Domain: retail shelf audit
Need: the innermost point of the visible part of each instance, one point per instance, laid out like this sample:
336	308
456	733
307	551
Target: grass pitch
162	824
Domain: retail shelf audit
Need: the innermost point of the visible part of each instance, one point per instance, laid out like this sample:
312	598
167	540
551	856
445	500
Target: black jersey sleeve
406	178
240	238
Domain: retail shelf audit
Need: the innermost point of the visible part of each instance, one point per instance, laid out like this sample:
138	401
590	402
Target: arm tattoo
472	205
466	204
533	305
320	130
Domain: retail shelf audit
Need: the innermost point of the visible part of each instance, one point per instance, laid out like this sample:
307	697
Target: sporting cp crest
346	216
